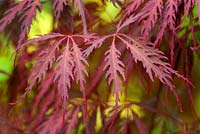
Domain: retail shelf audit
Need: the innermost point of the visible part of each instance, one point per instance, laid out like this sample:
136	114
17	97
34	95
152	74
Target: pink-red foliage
67	93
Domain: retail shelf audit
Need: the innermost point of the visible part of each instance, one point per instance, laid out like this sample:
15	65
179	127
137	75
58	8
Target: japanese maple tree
81	77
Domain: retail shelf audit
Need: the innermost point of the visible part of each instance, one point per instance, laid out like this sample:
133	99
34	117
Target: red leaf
27	14
11	14
169	19
152	11
58	6
64	71
133	7
114	67
45	61
71	63
129	20
26	18
96	43
153	60
79	64
171	10
79	4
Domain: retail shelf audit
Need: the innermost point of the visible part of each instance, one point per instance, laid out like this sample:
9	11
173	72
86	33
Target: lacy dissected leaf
188	5
133	7
151	58
114	67
153	61
96	43
152	10
27	13
26	18
45	61
11	14
58	6
79	4
68	51
64	71
71	63
79	65
46	58
148	14
169	19
133	18
171	10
